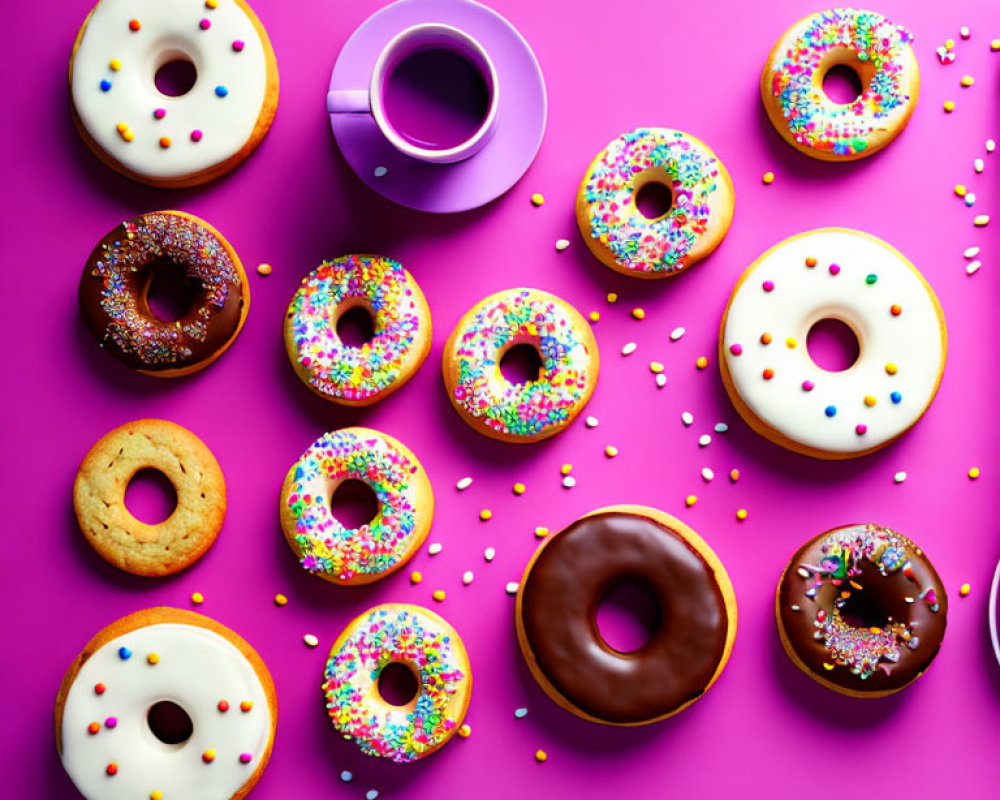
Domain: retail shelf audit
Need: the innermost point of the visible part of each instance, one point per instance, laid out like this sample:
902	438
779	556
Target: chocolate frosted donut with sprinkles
861	610
619	230
878	51
114	293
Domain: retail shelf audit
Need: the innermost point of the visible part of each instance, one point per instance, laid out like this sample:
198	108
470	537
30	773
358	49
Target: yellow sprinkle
741	514
973	473
891	368
638	313
612	298
965	589
791	342
995	45
827	666
960	190
165	142
156	794
537	199
519	488
734	475
115	64
153	658
438	595
768	178
541	532
610	451
595	316
949	106
541	756
565	469
981	221
967	81
264	269
655	367
690	500
485	515
128	135
122	127
465	731
949	44
701	363
415	577
280	600
870	400
197	598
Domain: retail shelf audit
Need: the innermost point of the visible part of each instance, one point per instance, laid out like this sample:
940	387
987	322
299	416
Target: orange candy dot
765	338
134	25
811	262
94	727
896	309
768	374
246	705
165	142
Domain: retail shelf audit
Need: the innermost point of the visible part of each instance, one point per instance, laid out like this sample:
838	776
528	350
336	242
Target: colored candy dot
208	756
638	313
765	338
537	199
964	589
205	24
541	532
111	722
439	595
595	316
124	653
153	658
960	190
871	278
701	363
112	768
565	469
835	269
612	298
768	374
519	488
791	342
115	64
870	400
94	727
741	514
811	262
995	45
949	106
768	178
967	81
830	411
160	113
99	688
156	794
128	134
973	473
246	705
223	705
861	430
768	286
891	368
827	666
808	386
347	776
735	349
165	142
196	135
221	91
211	3
246	758
280	600
105	85
197	598
734	475
416	577
465	731
895	309
134	25
690	500
485	515
896	397
238	46
541	756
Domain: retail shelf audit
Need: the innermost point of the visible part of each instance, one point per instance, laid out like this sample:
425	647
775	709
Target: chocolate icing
880	604
570	576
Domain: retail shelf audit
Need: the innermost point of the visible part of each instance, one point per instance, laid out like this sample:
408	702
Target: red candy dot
94	727
820	615
134	25
768	286
99	688
112	768
736	349
196	136
238	46
223	706
834	269
768	374
895	309
861	430
204	24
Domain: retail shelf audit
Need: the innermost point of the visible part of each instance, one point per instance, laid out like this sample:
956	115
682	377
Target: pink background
765	728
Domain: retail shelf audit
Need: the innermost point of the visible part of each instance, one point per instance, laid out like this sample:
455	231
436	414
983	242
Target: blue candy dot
830	411
124	653
105	85
895	397
221	91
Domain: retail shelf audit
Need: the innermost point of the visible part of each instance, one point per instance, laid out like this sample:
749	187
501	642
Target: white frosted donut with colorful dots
160	139
853	277
113	751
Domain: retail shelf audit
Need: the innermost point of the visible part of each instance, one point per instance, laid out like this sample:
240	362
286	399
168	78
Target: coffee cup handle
348	101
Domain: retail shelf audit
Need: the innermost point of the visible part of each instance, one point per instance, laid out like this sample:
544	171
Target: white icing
169	29
914	340
197	669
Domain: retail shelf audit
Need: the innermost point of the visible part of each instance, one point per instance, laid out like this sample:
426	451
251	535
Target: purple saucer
444	188
995	613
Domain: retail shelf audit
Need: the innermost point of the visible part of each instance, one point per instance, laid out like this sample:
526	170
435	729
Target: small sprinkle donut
162	139
322	544
861	610
877	50
166	703
520	412
398	633
357	376
854	278
109	527
114	290
621	236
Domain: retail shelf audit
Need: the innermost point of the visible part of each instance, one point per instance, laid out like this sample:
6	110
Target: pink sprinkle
834	269
808	386
160	113
861	430
246	758
736	349
238	46
204	24
768	286
196	136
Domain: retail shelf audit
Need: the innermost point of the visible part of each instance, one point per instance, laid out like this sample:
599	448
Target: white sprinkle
463	484
628	349
347	776
380	171
909	599
434	549
467	577
978	165
803	572
973	267
511	587
721	427
661	380
489	554
707	474
704	440
676	334
970	199
591	422
520	713
795	607
687	418
569	482
964	32
899	477
372	794
310	640
562	244
990	145
981	221
971	252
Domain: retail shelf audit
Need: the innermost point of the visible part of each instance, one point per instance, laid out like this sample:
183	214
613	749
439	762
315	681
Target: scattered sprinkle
416	577
734	475
611	451
690	500
973	473
485	515
638	313
656	367
661	381
568	482
964	589
707	474
741	514
971	252
964	32
347	776
434	549
676	334
165	142
960	189
768	178
967	81
537	199
310	640
701	363
687	418
264	269
565	469
990	145
981	221
153	659
995	45
221	91
519	488
197	598
704	440
591	422
511	587
520	713
973	267
949	106
115	64
134	25
541	532
541	756
629	348
465	731
979	165
970	199
594	316
467	577
561	244
379	172
899	477
721	427
612	298
439	595
489	554
371	794
463	484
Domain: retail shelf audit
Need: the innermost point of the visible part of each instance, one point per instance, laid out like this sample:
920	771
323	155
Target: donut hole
833	345
169	293
397	684
150	496
876	604
627	616
654	199
354	504
176	76
169	723
355	326
522	363
842	84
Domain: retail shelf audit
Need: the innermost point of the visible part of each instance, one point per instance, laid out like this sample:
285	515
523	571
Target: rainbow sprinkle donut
419	639
357	376
876	49
356	555
520	412
621	236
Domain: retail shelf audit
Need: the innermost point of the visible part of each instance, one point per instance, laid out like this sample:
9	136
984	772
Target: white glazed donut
106	743
156	138
847	275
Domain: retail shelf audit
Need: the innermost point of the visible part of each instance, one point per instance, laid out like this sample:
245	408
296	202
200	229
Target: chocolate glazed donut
861	610
115	286
556	616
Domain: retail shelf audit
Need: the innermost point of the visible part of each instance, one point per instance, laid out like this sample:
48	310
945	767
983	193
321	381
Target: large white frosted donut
156	138
832	273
